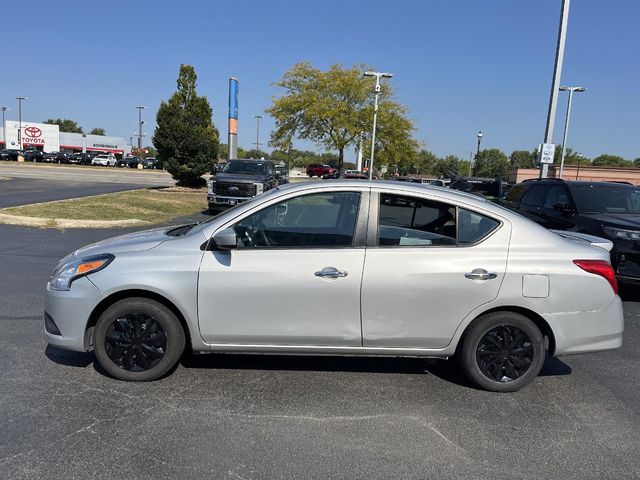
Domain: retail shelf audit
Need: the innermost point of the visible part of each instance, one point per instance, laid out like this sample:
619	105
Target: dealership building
49	138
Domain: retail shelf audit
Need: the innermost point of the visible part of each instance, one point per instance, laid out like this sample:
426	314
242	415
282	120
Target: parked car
10	154
239	181
353	174
410	179
50	157
34	156
470	279
151	163
603	209
331	176
318	170
129	162
490	188
81	158
105	160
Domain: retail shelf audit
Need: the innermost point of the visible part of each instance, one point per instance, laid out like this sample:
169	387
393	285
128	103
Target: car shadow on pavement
68	358
306	363
451	372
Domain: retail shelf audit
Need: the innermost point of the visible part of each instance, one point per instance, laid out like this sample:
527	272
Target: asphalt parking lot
233	416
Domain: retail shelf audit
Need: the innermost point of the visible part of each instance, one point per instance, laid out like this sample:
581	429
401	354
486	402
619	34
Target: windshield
606	198
246	167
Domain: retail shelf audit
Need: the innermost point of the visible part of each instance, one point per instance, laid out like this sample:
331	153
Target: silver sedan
342	268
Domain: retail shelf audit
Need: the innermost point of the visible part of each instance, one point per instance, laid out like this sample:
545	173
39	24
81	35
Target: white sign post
546	152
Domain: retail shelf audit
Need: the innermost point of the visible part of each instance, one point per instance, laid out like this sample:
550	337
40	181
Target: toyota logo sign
33	132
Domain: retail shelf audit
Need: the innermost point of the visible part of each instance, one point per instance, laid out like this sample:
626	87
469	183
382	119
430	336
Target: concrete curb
67	223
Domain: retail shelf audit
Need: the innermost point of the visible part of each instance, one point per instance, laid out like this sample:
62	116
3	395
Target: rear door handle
331	272
480	274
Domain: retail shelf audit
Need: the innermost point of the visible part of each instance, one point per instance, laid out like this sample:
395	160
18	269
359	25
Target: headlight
621	233
259	188
65	274
210	185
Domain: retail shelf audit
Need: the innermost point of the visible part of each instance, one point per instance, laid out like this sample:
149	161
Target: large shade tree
185	136
333	108
65	125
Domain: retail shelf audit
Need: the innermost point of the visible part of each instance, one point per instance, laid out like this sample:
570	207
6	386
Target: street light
257	144
566	122
378	75
140	122
580	157
479	136
20	99
4	129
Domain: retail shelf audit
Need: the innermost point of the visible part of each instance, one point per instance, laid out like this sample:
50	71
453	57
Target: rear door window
409	221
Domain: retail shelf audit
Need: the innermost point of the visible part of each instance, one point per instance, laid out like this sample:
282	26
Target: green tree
636	162
606	160
522	159
185	136
492	163
256	154
97	131
449	167
334	108
65	125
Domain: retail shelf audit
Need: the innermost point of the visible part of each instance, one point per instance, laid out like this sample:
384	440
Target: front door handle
331	272
480	274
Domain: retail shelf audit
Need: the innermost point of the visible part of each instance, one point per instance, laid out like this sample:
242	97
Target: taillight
602	268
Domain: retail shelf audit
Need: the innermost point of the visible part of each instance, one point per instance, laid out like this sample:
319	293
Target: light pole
555	82
479	137
378	75
20	99
257	144
566	121
4	129
580	156
140	122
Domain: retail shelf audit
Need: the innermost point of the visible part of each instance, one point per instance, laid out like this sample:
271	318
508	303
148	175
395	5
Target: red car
318	170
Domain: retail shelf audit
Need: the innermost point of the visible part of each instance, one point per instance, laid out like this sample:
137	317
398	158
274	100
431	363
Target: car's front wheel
502	351
138	339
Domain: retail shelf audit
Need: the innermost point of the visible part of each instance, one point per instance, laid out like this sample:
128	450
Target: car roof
556	181
419	188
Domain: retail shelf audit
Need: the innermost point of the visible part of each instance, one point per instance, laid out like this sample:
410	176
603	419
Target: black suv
241	180
605	209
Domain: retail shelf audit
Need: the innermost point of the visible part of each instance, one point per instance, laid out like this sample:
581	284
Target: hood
237	178
131	242
622	220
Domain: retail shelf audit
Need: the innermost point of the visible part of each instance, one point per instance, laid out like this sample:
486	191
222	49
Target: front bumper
70	312
583	332
220	201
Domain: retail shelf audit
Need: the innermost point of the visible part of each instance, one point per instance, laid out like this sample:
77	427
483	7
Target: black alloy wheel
504	353
136	342
138	339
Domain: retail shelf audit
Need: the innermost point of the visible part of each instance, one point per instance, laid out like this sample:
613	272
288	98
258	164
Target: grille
229	189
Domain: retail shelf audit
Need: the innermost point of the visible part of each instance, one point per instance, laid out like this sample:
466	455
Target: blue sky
459	66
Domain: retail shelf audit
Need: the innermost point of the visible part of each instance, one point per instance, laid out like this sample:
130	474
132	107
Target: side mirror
224	240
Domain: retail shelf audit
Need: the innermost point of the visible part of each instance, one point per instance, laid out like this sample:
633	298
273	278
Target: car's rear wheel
502	351
138	339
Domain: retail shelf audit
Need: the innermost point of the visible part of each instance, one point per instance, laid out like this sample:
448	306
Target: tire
496	366
148	355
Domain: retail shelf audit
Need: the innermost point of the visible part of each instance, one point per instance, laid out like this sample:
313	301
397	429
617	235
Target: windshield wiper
181	230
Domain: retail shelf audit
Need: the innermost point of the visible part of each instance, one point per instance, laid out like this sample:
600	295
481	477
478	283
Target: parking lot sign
546	152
